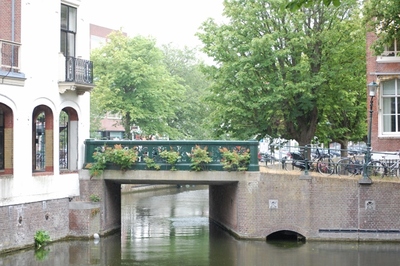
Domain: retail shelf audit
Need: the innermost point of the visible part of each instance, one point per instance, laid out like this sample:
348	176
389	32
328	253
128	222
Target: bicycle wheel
375	169
343	167
326	166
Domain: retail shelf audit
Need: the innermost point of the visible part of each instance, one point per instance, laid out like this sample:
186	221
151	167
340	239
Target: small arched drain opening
286	235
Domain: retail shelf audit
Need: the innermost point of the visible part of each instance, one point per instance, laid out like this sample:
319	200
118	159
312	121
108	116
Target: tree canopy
286	74
382	18
192	111
297	4
132	80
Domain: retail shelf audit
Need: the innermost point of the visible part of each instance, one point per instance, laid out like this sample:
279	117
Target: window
391	106
392	49
68	30
391	53
1	140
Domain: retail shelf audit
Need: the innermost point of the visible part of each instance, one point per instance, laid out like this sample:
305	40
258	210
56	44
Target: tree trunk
343	147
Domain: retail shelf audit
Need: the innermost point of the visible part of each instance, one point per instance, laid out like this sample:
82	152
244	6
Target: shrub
199	158
100	160
94	198
170	157
123	157
150	163
41	238
236	160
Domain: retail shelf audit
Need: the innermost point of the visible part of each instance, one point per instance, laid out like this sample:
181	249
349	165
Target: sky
168	21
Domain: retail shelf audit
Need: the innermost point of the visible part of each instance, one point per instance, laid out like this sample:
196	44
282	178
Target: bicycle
351	166
320	162
391	168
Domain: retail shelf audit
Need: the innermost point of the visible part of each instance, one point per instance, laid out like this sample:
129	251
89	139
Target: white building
45	80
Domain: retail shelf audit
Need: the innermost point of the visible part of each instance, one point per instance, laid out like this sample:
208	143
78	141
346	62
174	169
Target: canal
171	227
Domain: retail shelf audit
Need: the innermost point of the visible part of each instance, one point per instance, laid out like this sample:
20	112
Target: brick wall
62	218
19	223
110	207
379	143
320	208
6	18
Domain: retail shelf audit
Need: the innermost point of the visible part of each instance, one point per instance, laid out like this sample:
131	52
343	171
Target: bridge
257	203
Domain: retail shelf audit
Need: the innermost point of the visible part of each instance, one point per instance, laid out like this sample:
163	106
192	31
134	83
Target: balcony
76	74
10	63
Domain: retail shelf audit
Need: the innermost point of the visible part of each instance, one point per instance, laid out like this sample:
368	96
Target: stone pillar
88	217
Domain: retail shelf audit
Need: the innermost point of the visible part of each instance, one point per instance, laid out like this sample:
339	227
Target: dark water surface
171	227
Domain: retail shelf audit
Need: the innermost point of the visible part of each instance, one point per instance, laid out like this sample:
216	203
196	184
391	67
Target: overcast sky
169	21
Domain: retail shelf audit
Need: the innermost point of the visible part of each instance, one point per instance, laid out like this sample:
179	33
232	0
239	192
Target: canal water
171	227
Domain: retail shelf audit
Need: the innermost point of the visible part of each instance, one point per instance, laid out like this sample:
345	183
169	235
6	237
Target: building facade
45	83
385	70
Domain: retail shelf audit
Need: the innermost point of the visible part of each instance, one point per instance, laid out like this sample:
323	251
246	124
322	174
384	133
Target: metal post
305	175
365	178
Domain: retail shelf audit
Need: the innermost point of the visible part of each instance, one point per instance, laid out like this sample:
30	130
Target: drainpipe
12	32
12	39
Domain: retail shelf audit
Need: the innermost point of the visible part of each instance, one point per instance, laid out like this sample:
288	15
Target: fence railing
333	161
78	70
152	149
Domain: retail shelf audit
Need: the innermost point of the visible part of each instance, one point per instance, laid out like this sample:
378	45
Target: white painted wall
40	38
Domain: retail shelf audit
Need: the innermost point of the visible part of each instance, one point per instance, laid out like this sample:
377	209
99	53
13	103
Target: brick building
385	70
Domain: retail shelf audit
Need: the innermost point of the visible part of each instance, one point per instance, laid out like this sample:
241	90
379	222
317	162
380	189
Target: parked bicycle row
328	163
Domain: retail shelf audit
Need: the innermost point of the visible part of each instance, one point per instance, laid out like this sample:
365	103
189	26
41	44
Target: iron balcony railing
152	148
78	70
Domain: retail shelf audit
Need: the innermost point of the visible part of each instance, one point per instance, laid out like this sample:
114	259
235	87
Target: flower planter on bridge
153	148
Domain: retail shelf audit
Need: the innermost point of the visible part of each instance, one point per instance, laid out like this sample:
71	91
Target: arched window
63	155
42	142
6	140
68	136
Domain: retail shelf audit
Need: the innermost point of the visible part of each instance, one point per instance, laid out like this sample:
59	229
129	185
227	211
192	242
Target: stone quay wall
19	223
63	218
318	208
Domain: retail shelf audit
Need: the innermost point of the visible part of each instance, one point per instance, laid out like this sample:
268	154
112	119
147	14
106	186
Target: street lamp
371	92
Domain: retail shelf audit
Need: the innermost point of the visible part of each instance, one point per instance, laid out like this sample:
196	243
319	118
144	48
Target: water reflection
171	227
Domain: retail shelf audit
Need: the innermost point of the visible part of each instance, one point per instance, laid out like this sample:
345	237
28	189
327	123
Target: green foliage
237	159
200	158
132	80
41	238
382	18
122	157
294	5
41	253
170	157
94	198
192	113
151	164
273	72
100	160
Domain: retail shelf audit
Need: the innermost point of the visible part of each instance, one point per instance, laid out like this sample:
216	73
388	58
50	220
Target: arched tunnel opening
286	235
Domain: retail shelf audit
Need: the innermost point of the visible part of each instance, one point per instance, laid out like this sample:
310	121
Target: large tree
132	80
192	113
272	69
380	16
343	113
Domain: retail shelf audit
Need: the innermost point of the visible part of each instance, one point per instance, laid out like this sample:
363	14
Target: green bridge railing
152	148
